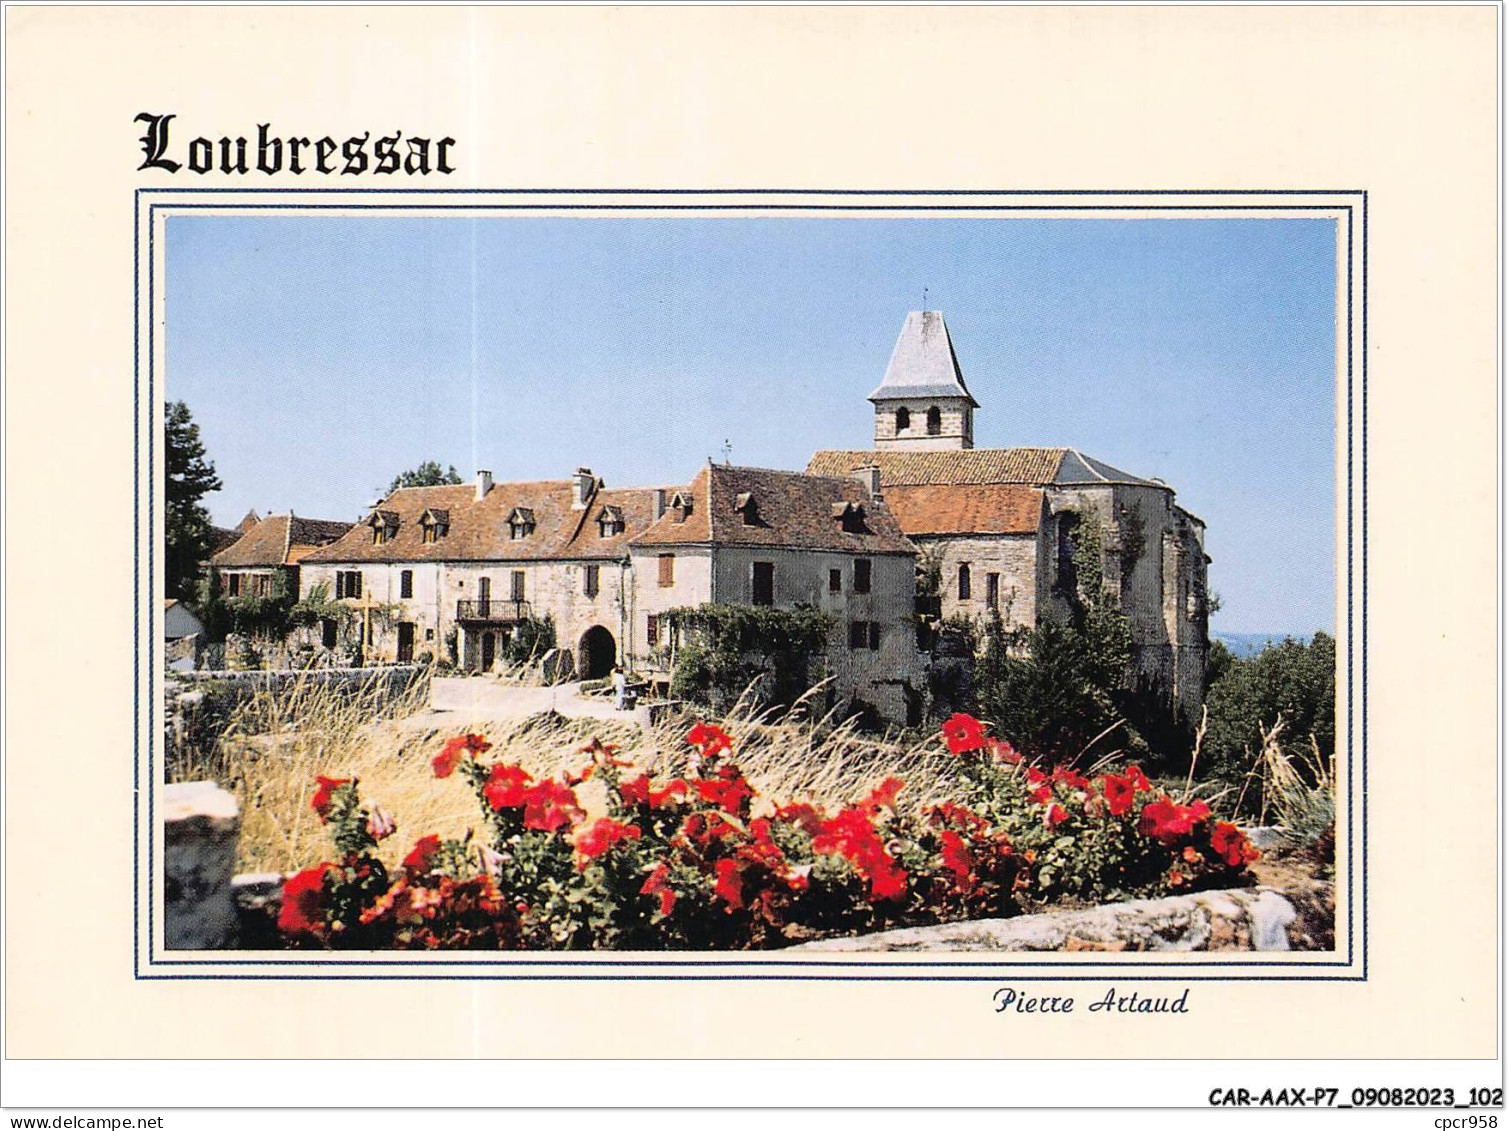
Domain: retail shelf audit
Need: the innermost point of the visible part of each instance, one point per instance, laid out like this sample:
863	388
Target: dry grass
277	745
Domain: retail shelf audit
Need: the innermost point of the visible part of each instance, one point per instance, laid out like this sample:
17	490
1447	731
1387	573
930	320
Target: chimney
659	503
870	477
582	484
483	483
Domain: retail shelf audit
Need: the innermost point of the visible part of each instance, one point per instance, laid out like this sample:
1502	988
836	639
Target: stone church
997	523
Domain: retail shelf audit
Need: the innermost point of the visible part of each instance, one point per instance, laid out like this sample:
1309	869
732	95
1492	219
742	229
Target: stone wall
1016	558
957	429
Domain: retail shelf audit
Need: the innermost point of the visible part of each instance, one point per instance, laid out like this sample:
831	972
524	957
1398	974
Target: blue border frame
507	968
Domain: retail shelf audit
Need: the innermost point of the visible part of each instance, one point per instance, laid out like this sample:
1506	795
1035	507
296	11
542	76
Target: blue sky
323	355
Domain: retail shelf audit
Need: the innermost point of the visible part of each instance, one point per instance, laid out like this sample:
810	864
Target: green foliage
427	474
317	606
725	648
188	537
1292	680
1053	688
531	639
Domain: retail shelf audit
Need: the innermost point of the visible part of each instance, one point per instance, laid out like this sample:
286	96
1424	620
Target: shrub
531	639
699	860
724	649
1292	683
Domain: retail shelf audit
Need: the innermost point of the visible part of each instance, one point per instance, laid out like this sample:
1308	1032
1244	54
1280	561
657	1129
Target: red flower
1232	845
1002	751
1054	816
1169	822
1071	778
729	887
463	745
549	805
600	836
709	739
658	883
507	787
421	857
882	796
851	835
956	858
729	796
604	753
1119	793
804	816
963	733
304	902
1175	877
1138	779
323	795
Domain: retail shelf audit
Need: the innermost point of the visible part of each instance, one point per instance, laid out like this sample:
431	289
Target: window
862	568
835	581
348	583
652	630
262	585
965	583
592	580
518	585
233	584
431	532
680	506
874	636
379	535
327	633
406	583
902	419
667	570
992	590
747	506
764	583
864	635
520	523
934	421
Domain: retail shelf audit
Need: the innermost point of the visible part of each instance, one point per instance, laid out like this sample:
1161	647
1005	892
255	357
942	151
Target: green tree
1053	688
190	476
1292	679
427	474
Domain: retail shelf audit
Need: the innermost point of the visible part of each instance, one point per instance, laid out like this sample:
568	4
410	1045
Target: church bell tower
922	404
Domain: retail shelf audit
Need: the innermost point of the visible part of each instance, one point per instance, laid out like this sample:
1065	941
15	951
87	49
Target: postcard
579	524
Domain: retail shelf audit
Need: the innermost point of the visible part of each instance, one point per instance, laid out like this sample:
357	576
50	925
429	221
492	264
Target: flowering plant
701	860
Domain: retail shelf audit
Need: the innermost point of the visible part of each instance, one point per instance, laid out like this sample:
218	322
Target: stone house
998	524
265	558
455	571
752	536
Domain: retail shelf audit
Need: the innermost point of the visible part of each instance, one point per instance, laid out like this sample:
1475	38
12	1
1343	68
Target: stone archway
596	654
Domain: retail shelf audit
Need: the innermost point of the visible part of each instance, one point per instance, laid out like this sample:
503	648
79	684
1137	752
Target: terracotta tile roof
478	529
788	509
971	508
976	465
279	539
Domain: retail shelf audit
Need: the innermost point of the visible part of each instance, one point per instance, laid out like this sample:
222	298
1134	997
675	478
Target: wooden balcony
492	612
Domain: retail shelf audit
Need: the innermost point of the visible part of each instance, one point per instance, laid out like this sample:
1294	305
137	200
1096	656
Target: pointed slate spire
923	364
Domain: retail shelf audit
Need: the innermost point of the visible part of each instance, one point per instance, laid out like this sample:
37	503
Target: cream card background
1396	101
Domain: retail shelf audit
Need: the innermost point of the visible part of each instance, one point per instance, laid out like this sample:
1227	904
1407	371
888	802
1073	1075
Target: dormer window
520	523
746	505
850	517
680	507
435	524
610	522
384	526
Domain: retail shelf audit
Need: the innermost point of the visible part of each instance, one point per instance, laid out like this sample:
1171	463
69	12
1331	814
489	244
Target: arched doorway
597	654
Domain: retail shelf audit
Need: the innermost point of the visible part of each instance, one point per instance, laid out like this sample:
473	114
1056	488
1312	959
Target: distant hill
1245	644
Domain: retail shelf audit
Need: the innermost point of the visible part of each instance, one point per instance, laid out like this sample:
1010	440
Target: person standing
620	688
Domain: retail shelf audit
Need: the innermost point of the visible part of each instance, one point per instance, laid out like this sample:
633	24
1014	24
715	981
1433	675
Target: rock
201	823
1239	919
1265	837
1270	915
557	666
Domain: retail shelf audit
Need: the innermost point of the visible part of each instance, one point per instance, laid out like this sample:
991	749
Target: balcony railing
493	611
